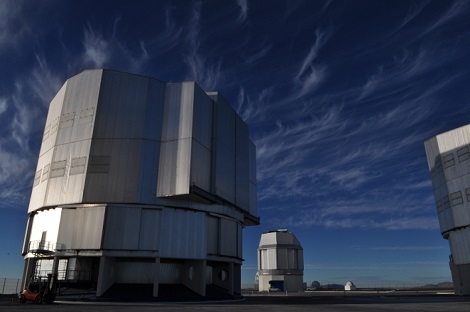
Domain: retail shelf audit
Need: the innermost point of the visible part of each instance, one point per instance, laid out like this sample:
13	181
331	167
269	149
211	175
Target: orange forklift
40	290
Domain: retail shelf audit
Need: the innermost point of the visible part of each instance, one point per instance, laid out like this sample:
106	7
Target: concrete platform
308	301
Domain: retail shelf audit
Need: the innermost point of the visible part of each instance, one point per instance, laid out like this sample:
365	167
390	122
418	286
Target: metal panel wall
224	150
213	235
134	272
121	182
122	228
460	245
175	155
174	168
53	115
252	178
150	225
228	238
148	171
81	228
125	106
242	198
46	153
200	166
66	229
170	273
64	187
78	113
88	228
178	111
202	117
183	234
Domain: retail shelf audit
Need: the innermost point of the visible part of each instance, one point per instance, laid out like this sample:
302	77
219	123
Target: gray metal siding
228	238
252	179
150	226
183	234
122	228
224	148
242	198
134	272
88	228
174	168
213	235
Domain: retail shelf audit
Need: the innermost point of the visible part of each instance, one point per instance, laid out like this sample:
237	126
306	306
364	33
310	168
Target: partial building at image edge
448	157
140	181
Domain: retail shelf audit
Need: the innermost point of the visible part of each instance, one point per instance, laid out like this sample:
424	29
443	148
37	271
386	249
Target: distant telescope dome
349	286
280	262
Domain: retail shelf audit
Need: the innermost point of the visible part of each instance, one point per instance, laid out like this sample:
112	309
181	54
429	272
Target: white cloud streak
207	74
12	27
97	51
243	4
311	74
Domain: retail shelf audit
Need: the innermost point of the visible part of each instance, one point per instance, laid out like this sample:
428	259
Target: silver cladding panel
81	228
185	158
229	238
212	235
70	123
132	228
175	155
224	150
134	272
460	245
183	234
130	106
242	187
38	193
122	228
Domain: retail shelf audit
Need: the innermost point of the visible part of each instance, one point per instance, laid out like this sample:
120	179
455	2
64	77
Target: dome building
280	262
141	182
448	156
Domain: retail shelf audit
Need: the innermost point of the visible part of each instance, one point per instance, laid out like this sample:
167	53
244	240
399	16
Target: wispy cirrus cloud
207	74
392	224
455	9
101	50
253	110
243	4
400	248
3	105
27	105
413	12
44	82
12	26
310	73
97	49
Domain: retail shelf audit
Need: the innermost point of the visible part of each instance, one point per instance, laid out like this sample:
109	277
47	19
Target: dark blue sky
339	97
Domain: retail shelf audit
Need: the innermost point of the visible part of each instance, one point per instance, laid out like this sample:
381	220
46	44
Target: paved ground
314	301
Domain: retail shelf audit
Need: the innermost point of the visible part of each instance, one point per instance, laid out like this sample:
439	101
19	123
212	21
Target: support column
105	275
156	277
223	276
27	271
194	276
